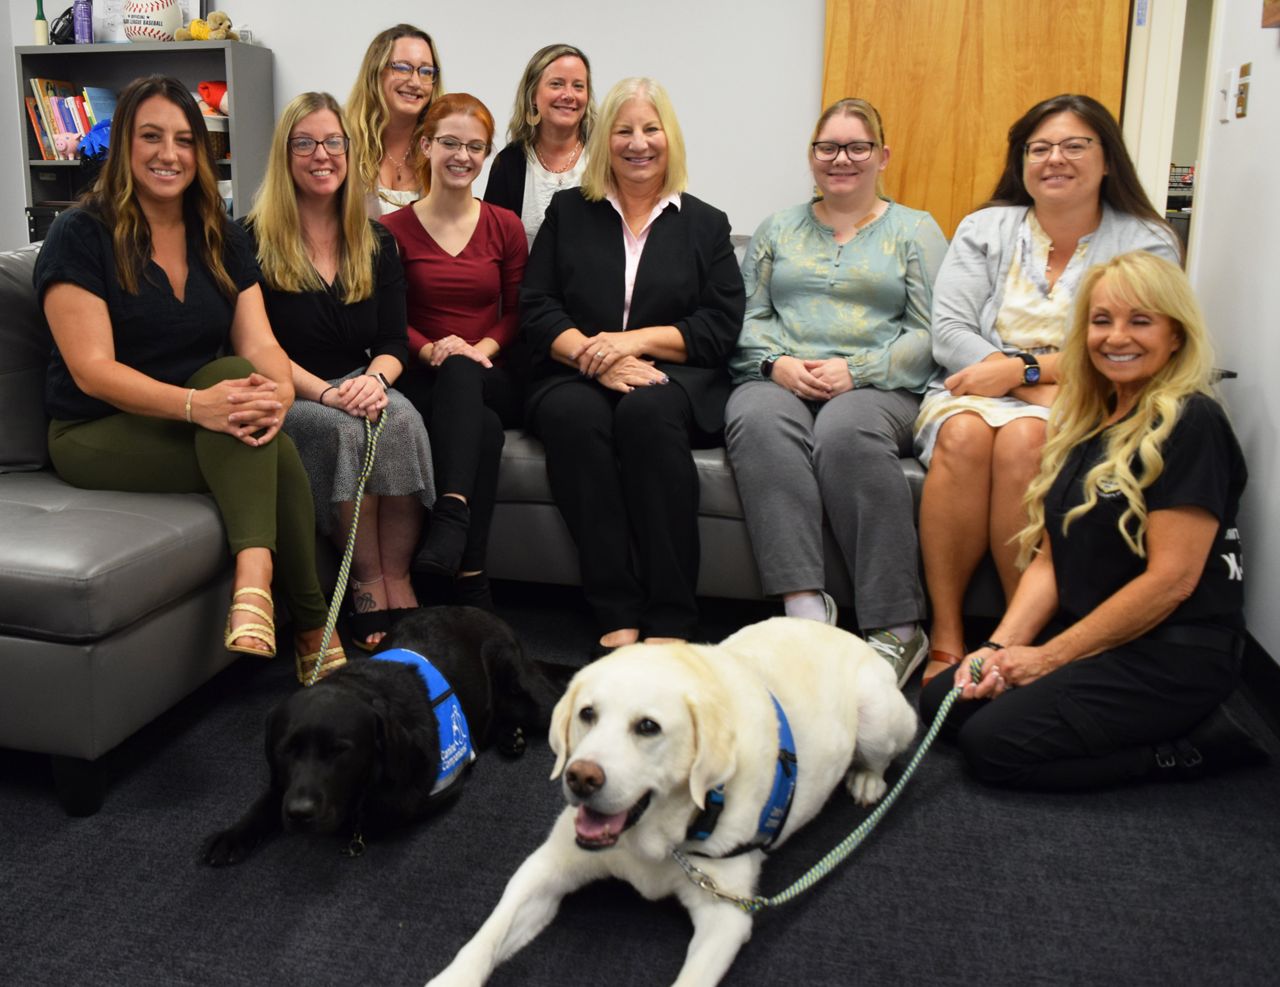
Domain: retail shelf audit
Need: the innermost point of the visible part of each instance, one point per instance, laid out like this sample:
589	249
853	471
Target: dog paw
513	744
866	787
227	848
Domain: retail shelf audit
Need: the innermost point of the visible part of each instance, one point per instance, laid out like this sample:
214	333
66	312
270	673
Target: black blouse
330	338
153	332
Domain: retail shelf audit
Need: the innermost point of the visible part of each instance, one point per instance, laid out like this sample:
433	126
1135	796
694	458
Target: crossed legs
972	503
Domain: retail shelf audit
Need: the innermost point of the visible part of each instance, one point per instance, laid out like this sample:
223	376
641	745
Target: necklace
561	172
402	163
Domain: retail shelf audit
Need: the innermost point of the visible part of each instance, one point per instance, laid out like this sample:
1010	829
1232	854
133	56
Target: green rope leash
846	846
371	434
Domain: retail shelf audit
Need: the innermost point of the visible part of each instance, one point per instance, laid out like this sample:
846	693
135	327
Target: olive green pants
262	492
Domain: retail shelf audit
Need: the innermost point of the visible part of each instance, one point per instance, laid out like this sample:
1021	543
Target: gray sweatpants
793	459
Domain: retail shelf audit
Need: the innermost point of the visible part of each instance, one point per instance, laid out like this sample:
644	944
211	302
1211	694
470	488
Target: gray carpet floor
961	884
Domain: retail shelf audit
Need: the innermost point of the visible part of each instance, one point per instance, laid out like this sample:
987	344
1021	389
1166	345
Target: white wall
1234	265
745	75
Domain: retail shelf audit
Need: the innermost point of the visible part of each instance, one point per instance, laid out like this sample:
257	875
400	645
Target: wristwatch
766	366
1031	372
386	386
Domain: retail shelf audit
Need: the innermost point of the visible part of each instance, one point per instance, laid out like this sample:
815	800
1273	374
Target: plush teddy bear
217	27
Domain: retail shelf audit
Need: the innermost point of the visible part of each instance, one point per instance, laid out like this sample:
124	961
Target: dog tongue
592	825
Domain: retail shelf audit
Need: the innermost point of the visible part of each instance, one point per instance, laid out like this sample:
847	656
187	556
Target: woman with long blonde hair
398	80
334	287
1125	634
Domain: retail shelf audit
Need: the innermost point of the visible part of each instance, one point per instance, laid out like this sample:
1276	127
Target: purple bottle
82	19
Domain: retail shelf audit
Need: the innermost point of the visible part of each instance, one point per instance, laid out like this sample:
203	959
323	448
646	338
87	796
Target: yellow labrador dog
695	748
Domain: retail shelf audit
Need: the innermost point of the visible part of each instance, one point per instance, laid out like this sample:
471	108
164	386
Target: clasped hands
361	397
1003	669
248	408
614	361
449	346
813	380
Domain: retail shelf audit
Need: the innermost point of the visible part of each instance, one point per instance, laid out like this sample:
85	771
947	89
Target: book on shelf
49	94
99	103
37	126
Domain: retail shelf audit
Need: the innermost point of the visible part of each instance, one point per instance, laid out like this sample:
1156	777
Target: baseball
151	20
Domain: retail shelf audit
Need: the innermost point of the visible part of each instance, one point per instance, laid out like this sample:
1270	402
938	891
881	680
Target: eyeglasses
304	147
1071	148
425	72
451	144
854	150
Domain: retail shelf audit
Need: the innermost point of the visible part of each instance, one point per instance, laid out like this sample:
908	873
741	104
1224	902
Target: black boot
473	591
1217	743
441	551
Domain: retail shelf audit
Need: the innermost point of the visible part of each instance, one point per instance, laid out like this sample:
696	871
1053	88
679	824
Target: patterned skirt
331	444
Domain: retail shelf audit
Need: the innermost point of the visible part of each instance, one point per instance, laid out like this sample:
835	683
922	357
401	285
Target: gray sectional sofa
112	604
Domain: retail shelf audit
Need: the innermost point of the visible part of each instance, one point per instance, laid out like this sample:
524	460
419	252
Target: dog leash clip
356	847
706	882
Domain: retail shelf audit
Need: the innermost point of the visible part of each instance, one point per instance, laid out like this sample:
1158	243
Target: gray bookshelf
246	68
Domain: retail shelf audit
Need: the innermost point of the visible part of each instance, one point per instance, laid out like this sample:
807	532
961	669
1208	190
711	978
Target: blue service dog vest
456	748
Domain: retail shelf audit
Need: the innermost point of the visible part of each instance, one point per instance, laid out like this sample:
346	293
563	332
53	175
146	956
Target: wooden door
950	76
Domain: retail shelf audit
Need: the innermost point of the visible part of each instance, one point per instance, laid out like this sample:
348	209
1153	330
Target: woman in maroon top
463	262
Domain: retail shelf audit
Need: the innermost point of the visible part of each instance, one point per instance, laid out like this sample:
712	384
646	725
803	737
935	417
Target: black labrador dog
362	747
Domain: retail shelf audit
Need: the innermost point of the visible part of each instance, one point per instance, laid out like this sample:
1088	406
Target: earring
533	117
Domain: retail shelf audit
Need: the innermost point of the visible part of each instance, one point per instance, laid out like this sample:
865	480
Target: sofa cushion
81	564
24	357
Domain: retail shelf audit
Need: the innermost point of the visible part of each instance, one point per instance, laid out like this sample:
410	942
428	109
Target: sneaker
830	614
904	656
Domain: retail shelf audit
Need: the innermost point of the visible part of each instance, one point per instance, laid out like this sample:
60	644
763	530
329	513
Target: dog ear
714	761
558	737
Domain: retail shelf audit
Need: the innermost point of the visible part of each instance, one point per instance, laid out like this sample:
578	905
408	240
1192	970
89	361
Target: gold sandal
334	658
265	632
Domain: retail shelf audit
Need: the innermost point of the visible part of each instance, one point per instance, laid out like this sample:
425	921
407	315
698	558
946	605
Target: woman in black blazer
632	303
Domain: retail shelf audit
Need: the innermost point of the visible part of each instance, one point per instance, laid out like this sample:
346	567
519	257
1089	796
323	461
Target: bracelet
993	645
320	399
386	385
190	394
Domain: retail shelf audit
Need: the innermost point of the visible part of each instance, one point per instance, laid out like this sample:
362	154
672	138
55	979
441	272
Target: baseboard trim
1260	677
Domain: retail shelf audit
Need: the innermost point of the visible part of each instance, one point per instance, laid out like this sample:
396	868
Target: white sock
903	632
809	606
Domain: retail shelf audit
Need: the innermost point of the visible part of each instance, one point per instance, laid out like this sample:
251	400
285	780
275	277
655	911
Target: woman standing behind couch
833	356
463	260
631	304
552	119
143	285
399	77
334	291
1068	198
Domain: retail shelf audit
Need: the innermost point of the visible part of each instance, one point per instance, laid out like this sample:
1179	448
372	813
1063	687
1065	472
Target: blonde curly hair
1083	405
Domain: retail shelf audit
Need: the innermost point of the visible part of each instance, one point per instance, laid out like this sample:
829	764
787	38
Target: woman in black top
1125	633
335	292
632	303
546	139
143	285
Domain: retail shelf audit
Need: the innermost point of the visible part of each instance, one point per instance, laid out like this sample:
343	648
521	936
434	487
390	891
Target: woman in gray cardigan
1068	198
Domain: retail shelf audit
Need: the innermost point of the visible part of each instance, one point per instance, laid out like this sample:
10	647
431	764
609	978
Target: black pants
463	405
623	477
1093	722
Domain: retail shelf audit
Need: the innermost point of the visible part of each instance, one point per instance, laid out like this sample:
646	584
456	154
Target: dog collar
774	814
456	749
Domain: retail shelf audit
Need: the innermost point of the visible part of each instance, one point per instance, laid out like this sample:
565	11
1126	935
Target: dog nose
584	778
301	809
